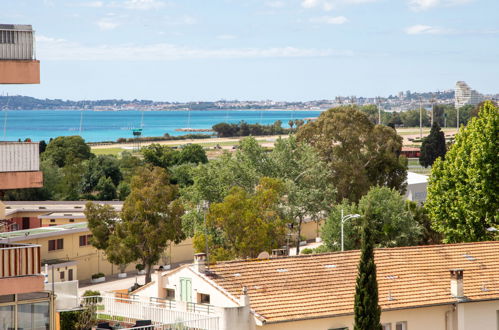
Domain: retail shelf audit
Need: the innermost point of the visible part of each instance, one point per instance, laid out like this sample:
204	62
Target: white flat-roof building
417	185
466	96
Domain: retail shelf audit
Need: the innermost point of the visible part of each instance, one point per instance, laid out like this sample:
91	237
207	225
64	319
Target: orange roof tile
321	285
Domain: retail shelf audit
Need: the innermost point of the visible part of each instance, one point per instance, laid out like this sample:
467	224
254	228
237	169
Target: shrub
98	275
307	251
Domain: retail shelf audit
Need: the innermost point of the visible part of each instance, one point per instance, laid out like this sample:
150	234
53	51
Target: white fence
130	310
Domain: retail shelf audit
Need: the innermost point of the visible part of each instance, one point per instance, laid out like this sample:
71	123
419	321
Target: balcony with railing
157	313
20	268
18	64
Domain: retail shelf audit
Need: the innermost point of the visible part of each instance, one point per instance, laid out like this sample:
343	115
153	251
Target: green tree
308	182
108	235
102	220
192	153
106	190
100	168
463	192
421	216
159	155
358	153
367	312
151	216
433	146
244	224
411	118
64	150
390	222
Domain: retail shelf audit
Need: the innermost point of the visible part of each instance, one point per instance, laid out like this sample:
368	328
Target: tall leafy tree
308	182
463	192
151	216
433	146
244	224
102	221
107	235
391	223
359	154
367	312
64	150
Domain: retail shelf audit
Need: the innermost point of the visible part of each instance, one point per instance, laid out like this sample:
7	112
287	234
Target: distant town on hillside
400	102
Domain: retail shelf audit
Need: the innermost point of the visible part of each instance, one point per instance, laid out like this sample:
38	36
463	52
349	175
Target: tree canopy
433	146
151	217
64	150
392	223
463	191
244	224
359	154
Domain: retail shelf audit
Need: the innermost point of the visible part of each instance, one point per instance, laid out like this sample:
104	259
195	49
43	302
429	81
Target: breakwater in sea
96	126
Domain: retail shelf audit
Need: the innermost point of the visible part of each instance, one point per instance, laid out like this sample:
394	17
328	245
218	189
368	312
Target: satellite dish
264	255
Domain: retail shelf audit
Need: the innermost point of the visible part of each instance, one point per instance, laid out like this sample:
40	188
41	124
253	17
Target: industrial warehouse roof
323	285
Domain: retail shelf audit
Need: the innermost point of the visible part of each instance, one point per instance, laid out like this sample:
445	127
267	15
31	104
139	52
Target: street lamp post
343	220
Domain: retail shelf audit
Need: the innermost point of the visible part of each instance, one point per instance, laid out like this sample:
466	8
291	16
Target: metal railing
128	311
19	260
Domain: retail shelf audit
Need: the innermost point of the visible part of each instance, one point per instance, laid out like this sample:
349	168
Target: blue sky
190	50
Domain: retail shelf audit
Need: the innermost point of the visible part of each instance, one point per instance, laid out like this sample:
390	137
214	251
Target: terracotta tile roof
309	286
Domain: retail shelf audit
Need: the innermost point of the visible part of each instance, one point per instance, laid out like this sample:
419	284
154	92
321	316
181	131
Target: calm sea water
111	125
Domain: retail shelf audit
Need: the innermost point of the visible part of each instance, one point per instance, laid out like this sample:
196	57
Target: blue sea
110	125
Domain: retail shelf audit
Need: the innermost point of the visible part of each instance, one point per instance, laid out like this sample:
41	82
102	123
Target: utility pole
379	110
432	110
420	118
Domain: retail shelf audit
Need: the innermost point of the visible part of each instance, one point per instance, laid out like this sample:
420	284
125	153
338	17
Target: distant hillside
18	102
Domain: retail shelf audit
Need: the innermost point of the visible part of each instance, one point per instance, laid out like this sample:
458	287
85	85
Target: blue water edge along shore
96	126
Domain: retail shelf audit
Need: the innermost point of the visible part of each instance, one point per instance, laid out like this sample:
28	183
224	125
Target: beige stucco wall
432	318
311	230
480	315
182	252
91	261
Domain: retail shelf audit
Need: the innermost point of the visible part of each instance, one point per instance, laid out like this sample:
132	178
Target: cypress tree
433	146
366	310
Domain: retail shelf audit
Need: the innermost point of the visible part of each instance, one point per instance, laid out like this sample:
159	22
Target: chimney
456	283
244	298
200	262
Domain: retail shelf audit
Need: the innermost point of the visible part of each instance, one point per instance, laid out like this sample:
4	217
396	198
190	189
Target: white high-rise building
465	95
